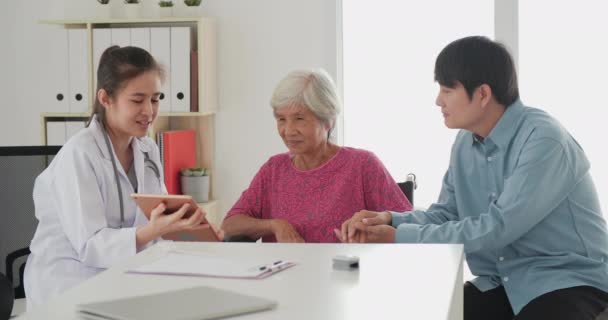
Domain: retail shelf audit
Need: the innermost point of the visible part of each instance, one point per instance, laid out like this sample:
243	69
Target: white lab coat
77	207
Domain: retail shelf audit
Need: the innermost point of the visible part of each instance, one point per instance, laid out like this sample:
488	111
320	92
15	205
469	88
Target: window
563	68
389	93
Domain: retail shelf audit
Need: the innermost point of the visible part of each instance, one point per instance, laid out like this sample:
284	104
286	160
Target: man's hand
350	230
284	231
379	234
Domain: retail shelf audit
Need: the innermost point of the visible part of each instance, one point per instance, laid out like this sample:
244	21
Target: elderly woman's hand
353	229
284	231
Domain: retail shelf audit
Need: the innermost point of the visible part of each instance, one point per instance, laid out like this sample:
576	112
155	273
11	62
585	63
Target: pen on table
275	266
279	265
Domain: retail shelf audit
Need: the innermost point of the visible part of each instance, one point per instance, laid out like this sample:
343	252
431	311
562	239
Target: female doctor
87	220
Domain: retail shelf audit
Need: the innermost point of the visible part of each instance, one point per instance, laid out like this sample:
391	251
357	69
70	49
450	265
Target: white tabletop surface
394	281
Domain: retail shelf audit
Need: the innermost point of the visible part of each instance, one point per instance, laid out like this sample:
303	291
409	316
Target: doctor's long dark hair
117	66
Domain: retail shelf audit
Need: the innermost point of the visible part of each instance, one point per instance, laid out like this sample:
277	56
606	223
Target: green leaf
192	3
194	172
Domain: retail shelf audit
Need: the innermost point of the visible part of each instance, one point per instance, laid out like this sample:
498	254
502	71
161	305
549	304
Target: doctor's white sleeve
82	213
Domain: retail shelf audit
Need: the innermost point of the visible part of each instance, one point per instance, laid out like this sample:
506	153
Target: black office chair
7	297
11	258
19	167
8	291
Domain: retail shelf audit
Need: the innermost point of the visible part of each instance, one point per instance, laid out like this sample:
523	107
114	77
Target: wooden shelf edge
64	115
186	114
120	20
208	203
162	114
213	215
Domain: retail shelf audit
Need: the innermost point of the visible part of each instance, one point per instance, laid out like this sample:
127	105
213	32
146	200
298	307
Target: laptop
192	303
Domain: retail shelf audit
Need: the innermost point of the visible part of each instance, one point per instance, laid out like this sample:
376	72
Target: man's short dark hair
477	60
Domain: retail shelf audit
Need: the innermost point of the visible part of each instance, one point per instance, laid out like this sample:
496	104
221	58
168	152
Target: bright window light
389	93
563	66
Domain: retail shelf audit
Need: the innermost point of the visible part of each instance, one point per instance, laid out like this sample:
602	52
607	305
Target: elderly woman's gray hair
313	89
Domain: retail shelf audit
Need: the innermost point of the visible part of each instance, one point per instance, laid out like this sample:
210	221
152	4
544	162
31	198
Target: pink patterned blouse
317	201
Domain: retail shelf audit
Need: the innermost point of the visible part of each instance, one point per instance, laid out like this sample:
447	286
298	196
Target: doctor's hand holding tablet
172	214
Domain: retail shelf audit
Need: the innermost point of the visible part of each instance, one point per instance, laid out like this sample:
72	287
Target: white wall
7	70
390	103
258	43
563	71
506	26
22	66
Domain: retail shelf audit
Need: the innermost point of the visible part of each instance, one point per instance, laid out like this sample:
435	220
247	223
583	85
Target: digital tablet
147	202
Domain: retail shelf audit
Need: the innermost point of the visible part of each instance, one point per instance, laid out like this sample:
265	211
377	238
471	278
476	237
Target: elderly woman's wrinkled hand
284	231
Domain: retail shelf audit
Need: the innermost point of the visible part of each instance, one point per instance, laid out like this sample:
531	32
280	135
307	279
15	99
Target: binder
72	128
102	38
121	37
56	92
78	70
180	69
140	37
179	151
160	48
55	133
183	263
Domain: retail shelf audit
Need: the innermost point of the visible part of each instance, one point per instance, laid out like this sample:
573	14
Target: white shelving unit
203	41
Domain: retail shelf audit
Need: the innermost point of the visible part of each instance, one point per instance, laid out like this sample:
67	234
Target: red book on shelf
179	151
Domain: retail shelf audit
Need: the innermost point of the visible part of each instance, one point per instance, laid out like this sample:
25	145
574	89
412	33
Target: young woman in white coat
87	220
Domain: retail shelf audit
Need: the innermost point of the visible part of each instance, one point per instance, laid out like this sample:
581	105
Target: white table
394	281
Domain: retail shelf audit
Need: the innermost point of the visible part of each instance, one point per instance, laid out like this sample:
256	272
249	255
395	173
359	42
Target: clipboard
182	263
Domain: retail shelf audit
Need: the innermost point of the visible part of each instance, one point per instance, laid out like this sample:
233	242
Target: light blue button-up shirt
523	204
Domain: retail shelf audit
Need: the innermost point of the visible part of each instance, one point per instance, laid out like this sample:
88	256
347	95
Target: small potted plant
195	182
193	3
191	8
103	10
166	8
131	8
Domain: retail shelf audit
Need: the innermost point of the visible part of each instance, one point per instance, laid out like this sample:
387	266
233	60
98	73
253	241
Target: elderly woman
303	195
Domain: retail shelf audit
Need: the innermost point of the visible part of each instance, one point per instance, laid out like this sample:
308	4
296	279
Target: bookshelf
202	40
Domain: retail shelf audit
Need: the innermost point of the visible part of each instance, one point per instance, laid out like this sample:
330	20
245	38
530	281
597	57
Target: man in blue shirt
517	194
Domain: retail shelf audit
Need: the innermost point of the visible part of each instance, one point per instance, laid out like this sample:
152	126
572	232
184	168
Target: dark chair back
408	187
7	297
11	259
19	168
